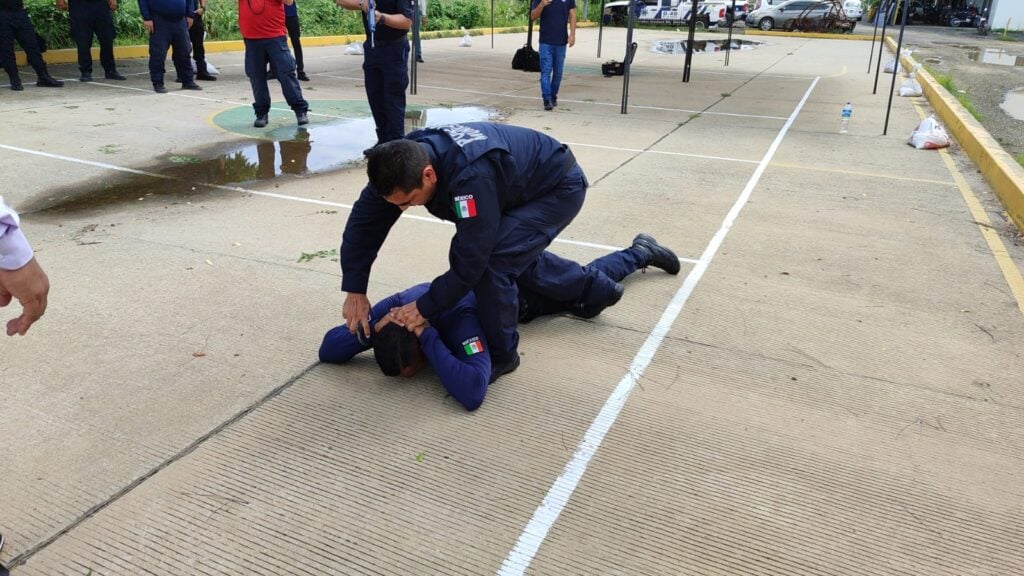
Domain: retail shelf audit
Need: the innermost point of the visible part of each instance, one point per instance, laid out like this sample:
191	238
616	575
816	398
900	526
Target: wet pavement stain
320	147
995	56
1013	104
702	46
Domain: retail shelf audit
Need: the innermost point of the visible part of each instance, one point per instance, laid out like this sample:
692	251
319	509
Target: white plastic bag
466	40
890	66
210	68
354	48
910	87
929	135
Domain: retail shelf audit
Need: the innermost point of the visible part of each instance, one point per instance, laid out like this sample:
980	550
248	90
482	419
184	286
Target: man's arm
572	25
476	234
460	358
340	345
538	8
147	16
368	225
21	276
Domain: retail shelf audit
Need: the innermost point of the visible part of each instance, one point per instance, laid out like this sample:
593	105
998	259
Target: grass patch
309	256
947	82
1020	159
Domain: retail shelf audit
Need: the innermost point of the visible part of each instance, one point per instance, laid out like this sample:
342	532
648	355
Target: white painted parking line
194	96
536	531
640	150
405	215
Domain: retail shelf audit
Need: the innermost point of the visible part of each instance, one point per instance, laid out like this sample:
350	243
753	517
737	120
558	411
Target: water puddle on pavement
317	148
1013	104
996	56
702	46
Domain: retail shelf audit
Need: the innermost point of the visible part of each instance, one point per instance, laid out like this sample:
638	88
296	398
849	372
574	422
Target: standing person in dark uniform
90	17
15	25
262	25
386	62
167	22
197	35
554	16
291	22
509	190
454	342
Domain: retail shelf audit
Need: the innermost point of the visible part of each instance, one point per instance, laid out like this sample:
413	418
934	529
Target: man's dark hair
394	348
396	164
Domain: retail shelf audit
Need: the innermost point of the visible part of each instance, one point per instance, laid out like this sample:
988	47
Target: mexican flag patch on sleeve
465	206
473	346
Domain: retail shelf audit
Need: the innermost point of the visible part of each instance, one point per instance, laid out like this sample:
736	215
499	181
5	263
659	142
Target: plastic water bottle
844	125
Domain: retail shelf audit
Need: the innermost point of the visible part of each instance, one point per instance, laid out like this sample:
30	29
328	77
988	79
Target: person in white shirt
21	276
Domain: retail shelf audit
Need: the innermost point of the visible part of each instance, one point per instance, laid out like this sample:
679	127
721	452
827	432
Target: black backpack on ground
526	58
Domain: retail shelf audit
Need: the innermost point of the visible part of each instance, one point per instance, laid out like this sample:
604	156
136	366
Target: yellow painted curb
1000	170
757	32
70	55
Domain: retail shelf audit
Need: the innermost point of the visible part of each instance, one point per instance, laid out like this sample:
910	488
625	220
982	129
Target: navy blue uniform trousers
90	17
259	51
171	32
518	257
15	25
386	76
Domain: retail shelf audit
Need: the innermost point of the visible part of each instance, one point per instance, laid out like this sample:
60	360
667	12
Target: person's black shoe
177	79
302	76
583	311
547	104
16	85
301	118
655	254
85	78
261	121
206	77
47	81
554	100
115	75
507	368
191	86
159	89
419	59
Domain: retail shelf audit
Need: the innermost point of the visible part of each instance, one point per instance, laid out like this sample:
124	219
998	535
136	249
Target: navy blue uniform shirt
383	33
483	169
167	8
554	21
454	344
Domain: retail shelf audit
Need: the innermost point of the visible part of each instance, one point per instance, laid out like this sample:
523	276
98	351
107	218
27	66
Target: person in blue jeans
454	343
554	16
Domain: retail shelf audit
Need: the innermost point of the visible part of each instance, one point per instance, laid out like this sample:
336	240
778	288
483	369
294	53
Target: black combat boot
655	254
47	81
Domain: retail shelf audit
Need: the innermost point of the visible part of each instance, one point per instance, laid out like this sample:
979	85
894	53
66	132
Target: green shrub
318	17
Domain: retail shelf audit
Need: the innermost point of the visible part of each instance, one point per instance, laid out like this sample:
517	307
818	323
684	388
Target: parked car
803	15
854	9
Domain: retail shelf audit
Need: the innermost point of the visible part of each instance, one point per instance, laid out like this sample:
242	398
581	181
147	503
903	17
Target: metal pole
492	24
892	87
600	29
412	53
881	44
626	63
873	35
689	42
731	22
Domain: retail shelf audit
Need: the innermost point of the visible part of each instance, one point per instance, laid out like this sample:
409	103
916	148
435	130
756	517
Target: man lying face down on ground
454	343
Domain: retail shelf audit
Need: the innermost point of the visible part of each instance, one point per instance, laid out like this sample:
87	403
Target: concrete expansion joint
27	554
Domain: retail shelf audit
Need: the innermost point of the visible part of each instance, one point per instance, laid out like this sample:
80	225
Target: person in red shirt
262	25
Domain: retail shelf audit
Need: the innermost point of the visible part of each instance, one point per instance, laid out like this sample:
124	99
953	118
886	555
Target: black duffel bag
526	58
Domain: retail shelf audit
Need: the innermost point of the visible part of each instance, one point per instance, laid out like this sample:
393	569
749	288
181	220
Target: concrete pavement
832	385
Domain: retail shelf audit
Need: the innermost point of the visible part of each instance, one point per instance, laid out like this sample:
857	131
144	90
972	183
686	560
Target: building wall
1007	9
